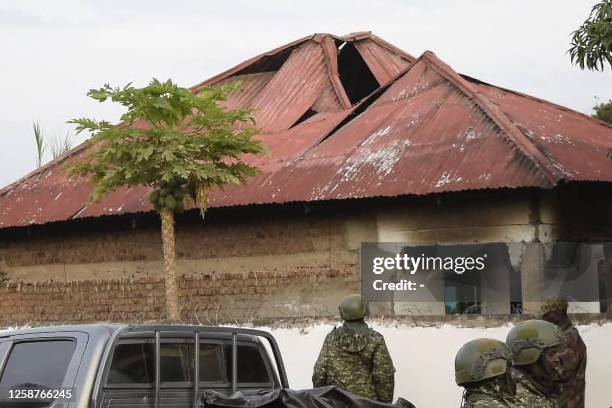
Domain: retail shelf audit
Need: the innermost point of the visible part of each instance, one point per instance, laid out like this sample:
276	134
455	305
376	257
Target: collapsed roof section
354	117
315	75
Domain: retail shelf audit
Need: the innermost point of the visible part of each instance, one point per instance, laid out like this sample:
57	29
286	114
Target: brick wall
231	270
209	299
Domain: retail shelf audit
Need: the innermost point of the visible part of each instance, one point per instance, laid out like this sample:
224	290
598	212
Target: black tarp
324	397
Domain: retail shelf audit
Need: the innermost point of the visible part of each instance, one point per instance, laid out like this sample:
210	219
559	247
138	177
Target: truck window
211	363
133	363
251	365
175	362
37	364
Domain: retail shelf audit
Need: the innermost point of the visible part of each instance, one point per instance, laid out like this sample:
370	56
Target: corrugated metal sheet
577	146
292	90
383	63
429	130
251	86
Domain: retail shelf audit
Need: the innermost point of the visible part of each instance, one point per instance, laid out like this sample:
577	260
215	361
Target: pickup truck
129	366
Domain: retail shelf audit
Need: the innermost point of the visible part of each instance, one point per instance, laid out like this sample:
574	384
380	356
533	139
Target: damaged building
366	143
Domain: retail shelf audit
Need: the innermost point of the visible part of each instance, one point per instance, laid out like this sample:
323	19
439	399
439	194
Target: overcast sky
52	52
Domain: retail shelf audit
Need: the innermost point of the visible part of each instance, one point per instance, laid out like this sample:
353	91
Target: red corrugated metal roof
428	130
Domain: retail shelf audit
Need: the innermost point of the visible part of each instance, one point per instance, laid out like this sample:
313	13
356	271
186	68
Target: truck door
39	370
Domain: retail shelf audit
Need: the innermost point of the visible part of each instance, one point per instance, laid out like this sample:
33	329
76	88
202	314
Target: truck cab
121	366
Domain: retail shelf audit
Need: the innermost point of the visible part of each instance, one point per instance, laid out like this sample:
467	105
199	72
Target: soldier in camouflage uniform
531	343
572	358
482	368
355	357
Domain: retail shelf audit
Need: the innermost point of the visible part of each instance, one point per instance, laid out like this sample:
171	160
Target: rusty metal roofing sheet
579	147
383	63
292	90
251	86
428	130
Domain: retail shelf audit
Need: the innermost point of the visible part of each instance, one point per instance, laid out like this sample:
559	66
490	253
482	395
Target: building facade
367	144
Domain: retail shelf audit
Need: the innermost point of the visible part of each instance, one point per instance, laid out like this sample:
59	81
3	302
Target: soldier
482	368
533	343
570	374
355	357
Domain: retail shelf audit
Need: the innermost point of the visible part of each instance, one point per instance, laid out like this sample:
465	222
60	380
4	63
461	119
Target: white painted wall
424	358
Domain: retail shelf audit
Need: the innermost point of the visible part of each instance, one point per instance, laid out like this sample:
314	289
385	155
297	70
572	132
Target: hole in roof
267	63
307	115
356	77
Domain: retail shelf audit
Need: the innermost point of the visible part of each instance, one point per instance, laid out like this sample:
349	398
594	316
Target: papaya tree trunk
170	275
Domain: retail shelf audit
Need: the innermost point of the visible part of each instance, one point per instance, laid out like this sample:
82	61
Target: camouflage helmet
527	339
553	305
353	307
480	359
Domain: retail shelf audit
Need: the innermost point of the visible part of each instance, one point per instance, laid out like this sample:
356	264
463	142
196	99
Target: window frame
107	370
180	338
261	350
70	376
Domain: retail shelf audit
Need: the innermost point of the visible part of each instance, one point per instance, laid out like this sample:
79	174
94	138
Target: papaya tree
178	143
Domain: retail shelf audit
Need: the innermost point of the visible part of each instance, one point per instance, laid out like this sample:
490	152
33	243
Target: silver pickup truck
127	366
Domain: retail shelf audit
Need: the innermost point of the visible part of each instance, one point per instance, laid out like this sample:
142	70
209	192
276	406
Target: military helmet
353	307
528	339
480	359
553	305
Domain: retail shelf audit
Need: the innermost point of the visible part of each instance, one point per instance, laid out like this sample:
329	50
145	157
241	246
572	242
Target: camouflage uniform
528	393
486	395
489	395
569	362
355	358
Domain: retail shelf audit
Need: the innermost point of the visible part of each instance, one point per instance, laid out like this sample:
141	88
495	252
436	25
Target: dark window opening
211	363
133	363
516	292
37	365
251	365
357	79
307	115
176	361
461	297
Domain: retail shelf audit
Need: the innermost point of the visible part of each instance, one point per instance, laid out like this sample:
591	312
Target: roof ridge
512	132
330	53
379	41
470	78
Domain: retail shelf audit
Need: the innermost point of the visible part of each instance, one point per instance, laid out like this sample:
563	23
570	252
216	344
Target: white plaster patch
448	177
377	135
562	139
382	161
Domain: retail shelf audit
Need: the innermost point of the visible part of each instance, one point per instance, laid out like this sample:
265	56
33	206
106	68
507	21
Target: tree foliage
591	45
171	139
178	142
603	111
